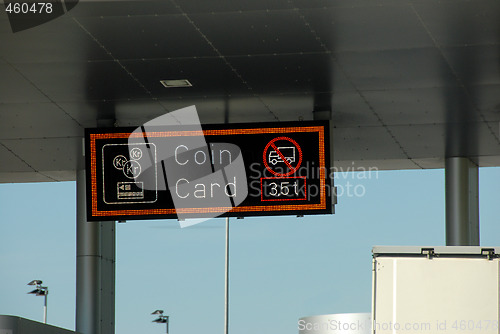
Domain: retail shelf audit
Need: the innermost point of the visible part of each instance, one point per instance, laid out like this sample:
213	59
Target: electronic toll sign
236	170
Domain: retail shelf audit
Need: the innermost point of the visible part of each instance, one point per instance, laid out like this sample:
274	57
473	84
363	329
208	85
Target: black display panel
236	170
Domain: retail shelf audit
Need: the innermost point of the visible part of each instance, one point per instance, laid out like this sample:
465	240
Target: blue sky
282	268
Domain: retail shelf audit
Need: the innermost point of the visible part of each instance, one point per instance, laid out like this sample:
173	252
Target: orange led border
160	134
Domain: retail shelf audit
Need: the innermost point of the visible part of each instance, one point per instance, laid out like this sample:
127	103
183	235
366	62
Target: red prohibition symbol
288	152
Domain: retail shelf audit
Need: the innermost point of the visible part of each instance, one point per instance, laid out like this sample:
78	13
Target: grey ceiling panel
36	121
351	110
429	163
4	23
210	110
14	88
371	143
491	134
490	137
209	76
123	8
421	140
488	143
75	81
60	176
11	162
291	108
488	161
234	109
461	22
476	64
49	154
249	109
349	3
451	139
422	105
196	6
148	37
56	41
368	28
85	113
487	99
397	69
22	177
374	166
138	112
308	73
261	32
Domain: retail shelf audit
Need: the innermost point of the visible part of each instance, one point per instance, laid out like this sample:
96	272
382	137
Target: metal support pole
226	292
107	278
95	270
45	307
462	202
87	265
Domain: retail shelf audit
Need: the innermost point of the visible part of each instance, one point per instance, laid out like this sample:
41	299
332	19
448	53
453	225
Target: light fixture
35	282
176	83
40	291
162	319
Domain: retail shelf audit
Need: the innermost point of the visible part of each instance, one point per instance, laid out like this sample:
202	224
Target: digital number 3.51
27	8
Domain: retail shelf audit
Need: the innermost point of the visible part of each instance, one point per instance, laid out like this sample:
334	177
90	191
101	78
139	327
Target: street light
162	319
40	291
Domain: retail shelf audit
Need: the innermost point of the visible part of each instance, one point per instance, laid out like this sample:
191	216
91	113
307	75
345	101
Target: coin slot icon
135	153
132	169
119	161
122	164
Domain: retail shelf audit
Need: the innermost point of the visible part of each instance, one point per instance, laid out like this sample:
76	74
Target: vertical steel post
95	269
474	235
107	277
462	202
45	307
87	265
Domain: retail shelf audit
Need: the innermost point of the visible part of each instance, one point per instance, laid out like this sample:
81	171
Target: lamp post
162	319
40	291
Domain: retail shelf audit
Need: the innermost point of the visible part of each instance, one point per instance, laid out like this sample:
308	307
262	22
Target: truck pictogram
287	152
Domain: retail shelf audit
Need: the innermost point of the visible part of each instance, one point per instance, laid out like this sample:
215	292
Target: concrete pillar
462	202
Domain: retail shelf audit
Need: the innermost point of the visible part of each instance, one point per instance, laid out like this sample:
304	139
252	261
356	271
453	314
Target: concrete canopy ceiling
408	82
